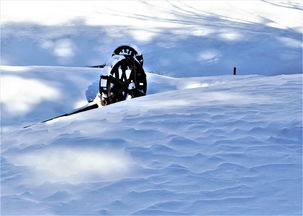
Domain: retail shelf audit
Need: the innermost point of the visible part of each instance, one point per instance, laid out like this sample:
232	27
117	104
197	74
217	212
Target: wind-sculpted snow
73	165
226	145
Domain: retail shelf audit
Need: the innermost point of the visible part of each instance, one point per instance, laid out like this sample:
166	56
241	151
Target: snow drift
204	145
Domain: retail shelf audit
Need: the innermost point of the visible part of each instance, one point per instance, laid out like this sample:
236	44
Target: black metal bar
97	66
93	106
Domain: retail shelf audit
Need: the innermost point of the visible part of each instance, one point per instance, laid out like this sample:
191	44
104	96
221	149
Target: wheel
127	79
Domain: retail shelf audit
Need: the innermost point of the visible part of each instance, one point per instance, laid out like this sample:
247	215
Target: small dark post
235	70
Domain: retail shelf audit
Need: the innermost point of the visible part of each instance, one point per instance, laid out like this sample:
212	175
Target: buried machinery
126	79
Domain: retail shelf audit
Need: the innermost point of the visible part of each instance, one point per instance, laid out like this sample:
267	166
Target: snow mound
191	145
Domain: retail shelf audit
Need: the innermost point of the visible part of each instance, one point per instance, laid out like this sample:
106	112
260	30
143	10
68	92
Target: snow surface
198	145
178	38
223	145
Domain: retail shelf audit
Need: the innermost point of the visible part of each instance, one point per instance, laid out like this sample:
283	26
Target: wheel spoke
127	77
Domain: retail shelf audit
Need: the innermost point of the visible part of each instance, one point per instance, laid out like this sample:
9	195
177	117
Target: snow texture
197	144
223	145
178	38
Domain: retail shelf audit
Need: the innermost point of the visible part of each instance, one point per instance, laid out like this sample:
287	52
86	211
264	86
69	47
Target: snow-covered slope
179	38
207	145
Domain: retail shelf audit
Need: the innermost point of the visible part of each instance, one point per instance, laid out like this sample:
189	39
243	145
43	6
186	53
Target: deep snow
205	145
200	145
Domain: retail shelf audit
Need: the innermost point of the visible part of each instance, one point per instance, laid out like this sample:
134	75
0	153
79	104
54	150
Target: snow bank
227	145
35	93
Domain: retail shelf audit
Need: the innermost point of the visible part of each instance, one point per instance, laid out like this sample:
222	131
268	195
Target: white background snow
197	144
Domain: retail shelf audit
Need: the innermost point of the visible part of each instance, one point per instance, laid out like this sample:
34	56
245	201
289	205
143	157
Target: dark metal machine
125	79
